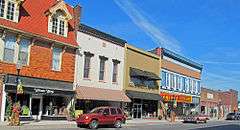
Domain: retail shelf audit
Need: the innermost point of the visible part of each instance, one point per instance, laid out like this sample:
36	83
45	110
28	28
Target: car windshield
97	110
231	114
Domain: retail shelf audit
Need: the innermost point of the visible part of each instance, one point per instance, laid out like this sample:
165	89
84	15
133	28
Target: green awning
143	95
140	73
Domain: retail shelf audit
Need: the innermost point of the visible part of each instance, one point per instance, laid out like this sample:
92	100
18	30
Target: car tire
205	121
93	124
118	124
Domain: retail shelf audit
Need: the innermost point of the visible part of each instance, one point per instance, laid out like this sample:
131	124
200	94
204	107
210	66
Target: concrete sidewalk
30	125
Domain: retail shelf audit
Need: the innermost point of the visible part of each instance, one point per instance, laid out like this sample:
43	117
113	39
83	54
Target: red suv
102	116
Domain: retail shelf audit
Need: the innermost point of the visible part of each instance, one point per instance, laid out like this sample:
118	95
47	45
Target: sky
206	31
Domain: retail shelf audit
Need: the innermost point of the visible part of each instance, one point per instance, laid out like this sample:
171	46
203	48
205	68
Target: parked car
196	118
233	116
102	116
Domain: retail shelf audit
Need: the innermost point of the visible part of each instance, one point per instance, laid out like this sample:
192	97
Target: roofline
182	59
147	53
38	36
102	35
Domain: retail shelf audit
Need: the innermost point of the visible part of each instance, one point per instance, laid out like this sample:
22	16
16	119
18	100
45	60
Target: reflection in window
23	51
9	48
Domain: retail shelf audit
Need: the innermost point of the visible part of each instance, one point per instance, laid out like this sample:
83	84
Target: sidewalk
30	125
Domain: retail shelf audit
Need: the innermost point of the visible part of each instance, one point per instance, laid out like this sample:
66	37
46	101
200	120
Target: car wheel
205	121
118	124
93	124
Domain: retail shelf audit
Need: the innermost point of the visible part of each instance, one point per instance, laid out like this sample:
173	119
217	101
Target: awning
91	93
140	73
143	95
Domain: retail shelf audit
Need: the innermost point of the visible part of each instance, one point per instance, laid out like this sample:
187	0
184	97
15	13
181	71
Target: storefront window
54	106
24	100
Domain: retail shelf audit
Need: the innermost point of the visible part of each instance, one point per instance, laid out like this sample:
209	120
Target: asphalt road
211	125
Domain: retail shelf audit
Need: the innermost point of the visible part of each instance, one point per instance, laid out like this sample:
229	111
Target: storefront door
35	108
137	111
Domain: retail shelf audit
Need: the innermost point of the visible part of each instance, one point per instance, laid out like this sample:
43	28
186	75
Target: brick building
217	103
39	39
209	102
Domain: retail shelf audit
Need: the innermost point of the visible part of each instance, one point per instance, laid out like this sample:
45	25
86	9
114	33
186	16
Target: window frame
115	70
60	59
28	51
90	55
102	69
14	48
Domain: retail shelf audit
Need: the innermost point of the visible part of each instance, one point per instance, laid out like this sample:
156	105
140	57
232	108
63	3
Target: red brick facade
40	65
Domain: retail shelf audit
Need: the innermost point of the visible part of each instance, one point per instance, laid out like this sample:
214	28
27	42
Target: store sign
44	91
209	96
176	97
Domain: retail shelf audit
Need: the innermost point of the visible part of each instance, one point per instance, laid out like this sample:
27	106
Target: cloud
220	62
156	34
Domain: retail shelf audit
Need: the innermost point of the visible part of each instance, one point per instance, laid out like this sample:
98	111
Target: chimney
77	15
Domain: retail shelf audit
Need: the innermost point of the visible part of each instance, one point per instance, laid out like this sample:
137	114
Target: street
211	125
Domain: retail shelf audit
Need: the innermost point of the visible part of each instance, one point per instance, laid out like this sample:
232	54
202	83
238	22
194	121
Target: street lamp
19	67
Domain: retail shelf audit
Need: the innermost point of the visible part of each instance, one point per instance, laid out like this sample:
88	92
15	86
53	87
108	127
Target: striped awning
92	93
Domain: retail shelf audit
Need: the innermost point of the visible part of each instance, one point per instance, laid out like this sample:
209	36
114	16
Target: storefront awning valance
39	86
140	73
91	93
143	95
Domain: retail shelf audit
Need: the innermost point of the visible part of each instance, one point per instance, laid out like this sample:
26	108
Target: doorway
35	108
137	111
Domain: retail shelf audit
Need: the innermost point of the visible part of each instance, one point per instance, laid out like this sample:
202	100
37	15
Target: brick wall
41	63
209	102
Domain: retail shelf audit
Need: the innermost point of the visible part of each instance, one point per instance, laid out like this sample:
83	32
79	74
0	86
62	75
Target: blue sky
206	31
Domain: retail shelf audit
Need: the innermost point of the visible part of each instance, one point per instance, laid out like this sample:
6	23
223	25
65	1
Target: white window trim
60	58
50	18
16	10
168	87
16	48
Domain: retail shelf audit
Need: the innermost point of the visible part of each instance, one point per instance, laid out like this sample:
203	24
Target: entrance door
137	111
35	107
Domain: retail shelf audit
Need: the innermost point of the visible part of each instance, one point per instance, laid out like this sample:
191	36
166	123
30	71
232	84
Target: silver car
233	116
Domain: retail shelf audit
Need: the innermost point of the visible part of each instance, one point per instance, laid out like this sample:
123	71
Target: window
113	111
87	61
198	87
10	10
54	25
163	81
115	72
168	81
2	7
9	48
23	51
137	81
61	27
186	85
106	111
194	86
183	84
172	81
102	68
56	61
119	111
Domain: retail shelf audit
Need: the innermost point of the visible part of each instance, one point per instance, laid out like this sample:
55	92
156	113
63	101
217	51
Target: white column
30	105
40	108
3	103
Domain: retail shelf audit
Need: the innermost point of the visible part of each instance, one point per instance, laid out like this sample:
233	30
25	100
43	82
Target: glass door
137	111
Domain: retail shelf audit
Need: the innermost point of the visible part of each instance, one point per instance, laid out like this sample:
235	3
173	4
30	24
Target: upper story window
56	58
58	16
2	8
115	70
9	9
23	55
102	67
58	24
9	48
87	64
